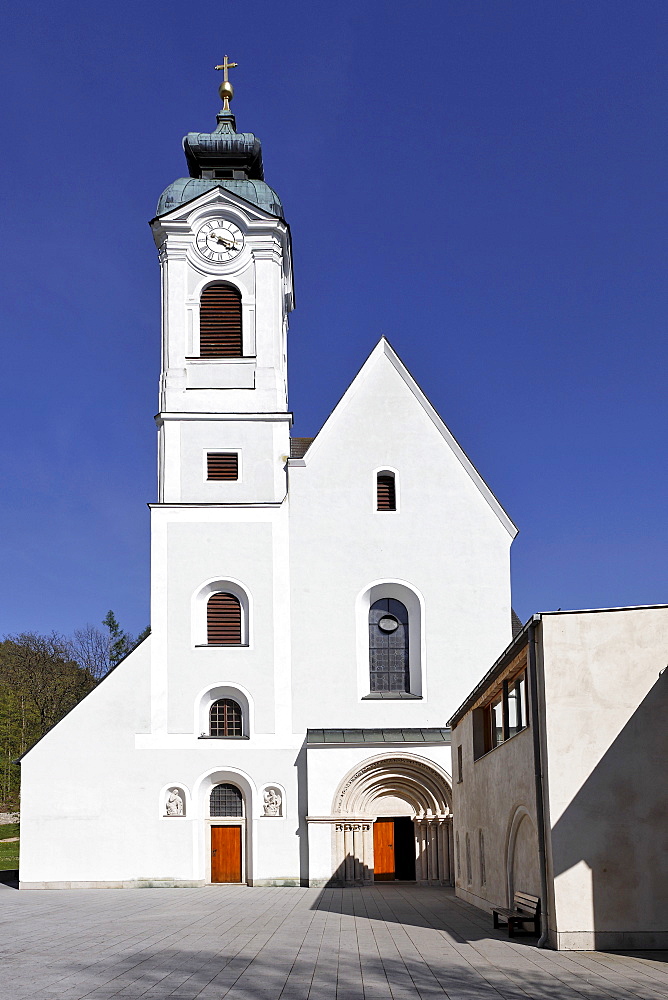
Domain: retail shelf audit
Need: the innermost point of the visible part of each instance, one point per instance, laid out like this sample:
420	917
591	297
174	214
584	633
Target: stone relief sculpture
273	802
174	804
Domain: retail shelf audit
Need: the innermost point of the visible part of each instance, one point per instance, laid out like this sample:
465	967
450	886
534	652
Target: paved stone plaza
392	941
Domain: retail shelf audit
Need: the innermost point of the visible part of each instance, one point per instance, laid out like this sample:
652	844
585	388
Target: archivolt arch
422	784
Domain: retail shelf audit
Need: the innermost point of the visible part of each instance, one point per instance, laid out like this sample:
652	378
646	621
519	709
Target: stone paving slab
389	942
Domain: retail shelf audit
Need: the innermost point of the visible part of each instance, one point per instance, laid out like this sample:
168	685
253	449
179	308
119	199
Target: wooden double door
226	854
394	849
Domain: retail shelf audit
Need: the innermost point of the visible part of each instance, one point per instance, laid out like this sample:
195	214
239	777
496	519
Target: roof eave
507	656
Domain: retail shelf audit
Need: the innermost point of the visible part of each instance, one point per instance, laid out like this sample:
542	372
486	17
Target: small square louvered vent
222	465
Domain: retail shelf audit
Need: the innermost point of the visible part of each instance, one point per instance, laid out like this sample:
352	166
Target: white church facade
319	607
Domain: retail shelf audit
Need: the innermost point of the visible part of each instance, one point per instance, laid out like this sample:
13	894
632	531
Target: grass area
9	853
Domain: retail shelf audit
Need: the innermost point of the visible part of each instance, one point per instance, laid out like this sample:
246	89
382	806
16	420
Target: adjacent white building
560	778
318	607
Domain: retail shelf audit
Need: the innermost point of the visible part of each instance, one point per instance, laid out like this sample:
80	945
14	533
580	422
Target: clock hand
228	243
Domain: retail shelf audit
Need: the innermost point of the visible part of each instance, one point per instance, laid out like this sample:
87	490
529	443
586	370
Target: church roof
316	737
299	446
186	188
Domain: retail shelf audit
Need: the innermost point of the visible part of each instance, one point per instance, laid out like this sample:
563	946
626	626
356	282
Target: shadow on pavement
436	907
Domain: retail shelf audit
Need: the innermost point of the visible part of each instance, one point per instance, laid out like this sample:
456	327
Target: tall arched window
220	322
226	800
388	646
223	620
225	718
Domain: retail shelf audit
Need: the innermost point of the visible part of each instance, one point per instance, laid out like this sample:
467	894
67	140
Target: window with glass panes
504	716
496	714
226	800
517	713
388	646
225	718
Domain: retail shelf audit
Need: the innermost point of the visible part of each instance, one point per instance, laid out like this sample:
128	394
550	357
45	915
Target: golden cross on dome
226	90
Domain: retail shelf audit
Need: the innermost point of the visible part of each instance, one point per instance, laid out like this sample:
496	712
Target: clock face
219	240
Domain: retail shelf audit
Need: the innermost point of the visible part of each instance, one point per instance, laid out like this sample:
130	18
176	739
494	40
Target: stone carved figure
174	805
272	802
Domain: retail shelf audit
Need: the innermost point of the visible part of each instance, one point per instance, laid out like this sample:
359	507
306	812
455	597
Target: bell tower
224	250
219	532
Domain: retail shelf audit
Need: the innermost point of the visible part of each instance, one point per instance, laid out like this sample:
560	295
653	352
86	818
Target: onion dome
222	158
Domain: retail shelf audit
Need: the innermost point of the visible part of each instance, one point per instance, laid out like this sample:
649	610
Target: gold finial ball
226	90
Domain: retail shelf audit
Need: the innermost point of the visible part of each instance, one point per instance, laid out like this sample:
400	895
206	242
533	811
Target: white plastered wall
606	699
448	544
93	789
496	797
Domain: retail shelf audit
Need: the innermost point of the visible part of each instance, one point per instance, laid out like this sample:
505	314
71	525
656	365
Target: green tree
120	642
42	678
144	634
39	684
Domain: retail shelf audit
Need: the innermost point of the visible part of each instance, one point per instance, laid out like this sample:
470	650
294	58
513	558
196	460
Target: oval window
388	623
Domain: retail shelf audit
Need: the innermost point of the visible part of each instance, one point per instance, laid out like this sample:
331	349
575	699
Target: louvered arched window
388	646
223	620
386	493
220	322
225	718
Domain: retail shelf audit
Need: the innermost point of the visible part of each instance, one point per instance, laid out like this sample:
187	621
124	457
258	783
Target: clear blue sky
482	181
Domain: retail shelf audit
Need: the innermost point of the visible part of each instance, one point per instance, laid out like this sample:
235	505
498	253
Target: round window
388	623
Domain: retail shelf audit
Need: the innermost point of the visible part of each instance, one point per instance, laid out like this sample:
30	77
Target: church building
319	607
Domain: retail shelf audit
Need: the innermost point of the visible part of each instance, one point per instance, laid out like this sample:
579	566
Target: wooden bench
526	910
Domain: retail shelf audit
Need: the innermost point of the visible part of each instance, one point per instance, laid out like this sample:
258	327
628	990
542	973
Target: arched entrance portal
395	822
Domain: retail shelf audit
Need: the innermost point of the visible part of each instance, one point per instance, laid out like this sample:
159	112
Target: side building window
386	493
388	646
225	718
223	620
220	322
504	715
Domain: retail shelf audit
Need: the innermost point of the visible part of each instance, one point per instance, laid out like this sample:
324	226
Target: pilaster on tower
226	266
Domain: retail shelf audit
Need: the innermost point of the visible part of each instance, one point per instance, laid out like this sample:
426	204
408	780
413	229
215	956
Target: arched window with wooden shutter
220	322
386	493
223	620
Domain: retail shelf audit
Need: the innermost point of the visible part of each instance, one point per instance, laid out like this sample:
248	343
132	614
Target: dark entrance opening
404	849
394	849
